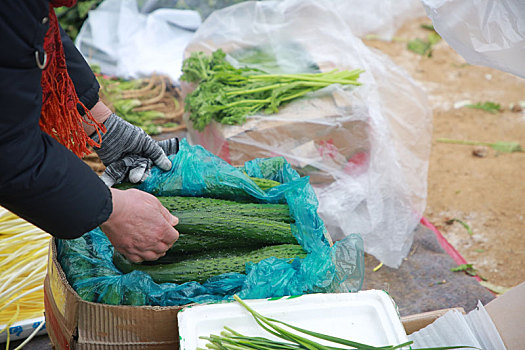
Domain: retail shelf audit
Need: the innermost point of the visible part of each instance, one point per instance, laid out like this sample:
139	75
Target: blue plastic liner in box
87	261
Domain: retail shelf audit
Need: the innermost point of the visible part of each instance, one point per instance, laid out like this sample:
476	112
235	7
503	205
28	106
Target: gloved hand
127	150
135	168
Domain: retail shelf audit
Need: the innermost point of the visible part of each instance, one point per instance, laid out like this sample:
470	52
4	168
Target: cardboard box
322	137
73	323
413	323
508	314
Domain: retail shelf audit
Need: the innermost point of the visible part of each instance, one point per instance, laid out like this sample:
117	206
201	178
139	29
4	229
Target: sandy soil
487	193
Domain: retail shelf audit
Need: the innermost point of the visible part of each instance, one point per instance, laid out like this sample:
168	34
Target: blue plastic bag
87	261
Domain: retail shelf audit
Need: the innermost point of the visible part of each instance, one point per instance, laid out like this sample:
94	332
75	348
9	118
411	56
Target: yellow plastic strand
23	261
35	332
378	267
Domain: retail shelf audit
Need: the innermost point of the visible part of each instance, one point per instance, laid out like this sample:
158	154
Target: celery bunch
228	95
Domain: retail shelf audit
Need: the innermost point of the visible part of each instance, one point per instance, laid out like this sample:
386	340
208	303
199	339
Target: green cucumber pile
219	236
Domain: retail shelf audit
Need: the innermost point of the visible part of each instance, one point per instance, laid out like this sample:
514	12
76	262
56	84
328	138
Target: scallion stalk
232	340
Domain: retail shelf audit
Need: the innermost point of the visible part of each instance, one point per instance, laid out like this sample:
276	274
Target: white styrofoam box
23	329
368	317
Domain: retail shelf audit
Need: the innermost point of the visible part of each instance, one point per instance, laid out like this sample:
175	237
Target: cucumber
111	295
236	228
192	244
276	212
264	184
201	268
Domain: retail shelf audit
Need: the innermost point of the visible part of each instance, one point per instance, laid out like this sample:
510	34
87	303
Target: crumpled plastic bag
365	148
87	261
484	32
126	42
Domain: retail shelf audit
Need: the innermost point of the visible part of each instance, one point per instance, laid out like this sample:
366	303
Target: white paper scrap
451	329
454	328
486	332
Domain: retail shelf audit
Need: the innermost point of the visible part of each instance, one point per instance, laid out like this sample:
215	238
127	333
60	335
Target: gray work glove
126	147
134	168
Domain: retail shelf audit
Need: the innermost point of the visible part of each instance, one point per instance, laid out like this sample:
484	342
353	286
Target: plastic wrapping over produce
380	18
485	32
132	39
87	261
365	148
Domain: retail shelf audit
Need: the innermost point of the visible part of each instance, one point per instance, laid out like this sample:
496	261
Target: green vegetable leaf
229	95
427	26
462	267
500	146
124	107
433	38
465	225
506	147
494	288
424	47
83	7
421	47
468	269
488	106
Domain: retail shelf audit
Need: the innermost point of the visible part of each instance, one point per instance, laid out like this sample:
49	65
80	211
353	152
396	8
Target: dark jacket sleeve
40	180
86	85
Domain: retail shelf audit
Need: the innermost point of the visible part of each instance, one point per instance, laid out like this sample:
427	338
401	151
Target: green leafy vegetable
488	106
468	269
500	146
433	38
72	18
423	47
494	288
420	47
146	103
428	26
464	267
228	95
465	225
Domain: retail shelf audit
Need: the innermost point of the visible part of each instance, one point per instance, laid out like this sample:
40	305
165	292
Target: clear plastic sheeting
484	32
380	18
364	148
125	41
88	265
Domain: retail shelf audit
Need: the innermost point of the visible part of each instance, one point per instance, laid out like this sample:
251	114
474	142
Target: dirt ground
486	193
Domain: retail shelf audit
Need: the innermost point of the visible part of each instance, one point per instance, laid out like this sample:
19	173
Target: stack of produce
229	95
23	258
219	236
214	199
152	104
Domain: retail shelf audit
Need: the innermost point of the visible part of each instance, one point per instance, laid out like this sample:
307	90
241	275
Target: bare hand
140	227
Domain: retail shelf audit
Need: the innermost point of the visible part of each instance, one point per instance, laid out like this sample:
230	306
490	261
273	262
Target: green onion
232	340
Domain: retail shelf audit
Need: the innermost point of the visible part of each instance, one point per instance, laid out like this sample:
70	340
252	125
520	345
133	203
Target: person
49	112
